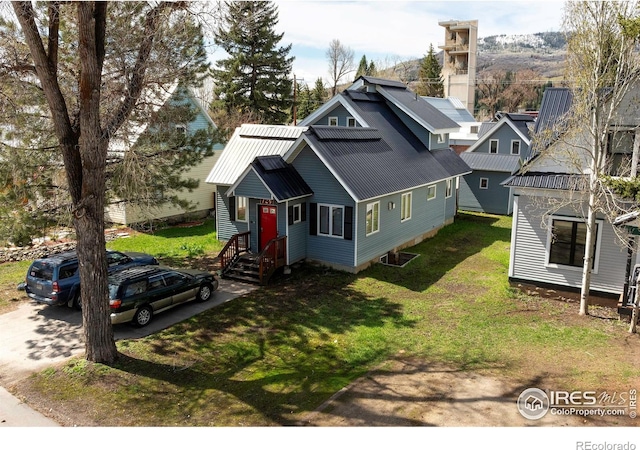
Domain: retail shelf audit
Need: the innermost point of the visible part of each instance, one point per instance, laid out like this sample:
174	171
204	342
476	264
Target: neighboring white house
550	206
203	197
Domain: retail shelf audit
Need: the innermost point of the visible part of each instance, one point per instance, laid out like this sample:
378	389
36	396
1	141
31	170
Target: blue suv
55	280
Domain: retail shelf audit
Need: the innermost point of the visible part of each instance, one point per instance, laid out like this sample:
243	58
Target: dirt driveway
406	393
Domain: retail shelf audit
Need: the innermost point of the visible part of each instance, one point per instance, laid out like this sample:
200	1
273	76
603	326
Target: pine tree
255	79
363	67
318	94
430	80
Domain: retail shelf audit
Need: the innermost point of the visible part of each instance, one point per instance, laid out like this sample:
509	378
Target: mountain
543	52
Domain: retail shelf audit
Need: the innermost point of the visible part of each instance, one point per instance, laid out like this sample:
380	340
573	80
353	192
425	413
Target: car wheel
77	302
143	316
205	292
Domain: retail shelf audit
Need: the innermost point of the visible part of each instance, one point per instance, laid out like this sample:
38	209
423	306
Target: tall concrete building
459	63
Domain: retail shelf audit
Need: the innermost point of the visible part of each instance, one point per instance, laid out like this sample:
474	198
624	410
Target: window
351	122
515	147
493	146
330	220
441	139
484	183
241	209
567	242
333	121
431	192
619	152
373	218
474	129
448	188
181	129
297	216
405	207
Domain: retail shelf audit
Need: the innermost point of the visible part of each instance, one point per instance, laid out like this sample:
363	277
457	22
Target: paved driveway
35	337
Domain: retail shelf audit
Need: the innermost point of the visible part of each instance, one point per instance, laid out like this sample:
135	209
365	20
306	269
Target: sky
387	31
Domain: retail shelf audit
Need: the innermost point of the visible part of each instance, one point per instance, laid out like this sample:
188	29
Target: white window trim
351	121
519	146
297	207
182	128
408	195
370	207
596	255
448	190
480	185
497	146
440	139
246	209
331	208
330	119
435	192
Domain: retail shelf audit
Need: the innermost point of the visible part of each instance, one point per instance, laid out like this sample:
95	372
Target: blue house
498	153
370	173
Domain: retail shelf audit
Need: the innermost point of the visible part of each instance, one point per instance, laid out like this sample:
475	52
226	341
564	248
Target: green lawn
273	355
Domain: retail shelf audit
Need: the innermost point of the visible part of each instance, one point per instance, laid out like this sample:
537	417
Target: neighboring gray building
496	155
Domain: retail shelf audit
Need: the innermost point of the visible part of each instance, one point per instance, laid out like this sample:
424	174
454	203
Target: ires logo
575	398
535	403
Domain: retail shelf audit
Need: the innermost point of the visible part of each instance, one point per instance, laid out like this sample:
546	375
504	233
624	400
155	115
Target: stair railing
272	256
238	243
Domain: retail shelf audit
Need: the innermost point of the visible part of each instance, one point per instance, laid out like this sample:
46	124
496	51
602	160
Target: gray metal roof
384	159
248	142
452	108
282	179
485	127
546	180
556	102
491	162
420	109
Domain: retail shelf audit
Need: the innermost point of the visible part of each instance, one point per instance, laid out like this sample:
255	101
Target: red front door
268	224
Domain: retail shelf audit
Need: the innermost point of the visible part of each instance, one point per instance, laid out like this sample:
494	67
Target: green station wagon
136	294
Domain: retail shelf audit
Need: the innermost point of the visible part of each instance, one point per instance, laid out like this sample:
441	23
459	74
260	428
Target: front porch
238	262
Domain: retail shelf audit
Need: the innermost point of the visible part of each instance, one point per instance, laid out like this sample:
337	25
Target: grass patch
274	355
175	244
11	274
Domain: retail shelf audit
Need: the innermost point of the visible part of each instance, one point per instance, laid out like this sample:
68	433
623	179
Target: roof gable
248	142
506	121
281	179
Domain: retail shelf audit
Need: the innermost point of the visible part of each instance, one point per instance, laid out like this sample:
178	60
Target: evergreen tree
363	67
430	80
255	79
304	103
318	95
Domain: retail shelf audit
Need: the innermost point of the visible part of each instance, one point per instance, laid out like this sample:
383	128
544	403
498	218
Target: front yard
273	356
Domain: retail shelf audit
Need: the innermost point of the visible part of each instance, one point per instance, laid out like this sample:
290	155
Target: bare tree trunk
89	211
636	305
591	221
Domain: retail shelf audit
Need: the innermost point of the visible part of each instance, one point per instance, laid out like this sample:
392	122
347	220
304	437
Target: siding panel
530	253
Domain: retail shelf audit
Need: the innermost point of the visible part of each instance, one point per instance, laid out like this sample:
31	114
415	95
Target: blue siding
505	134
340	112
226	228
326	190
253	187
494	200
426	216
297	236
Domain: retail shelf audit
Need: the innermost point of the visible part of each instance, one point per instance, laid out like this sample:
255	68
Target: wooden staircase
238	263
